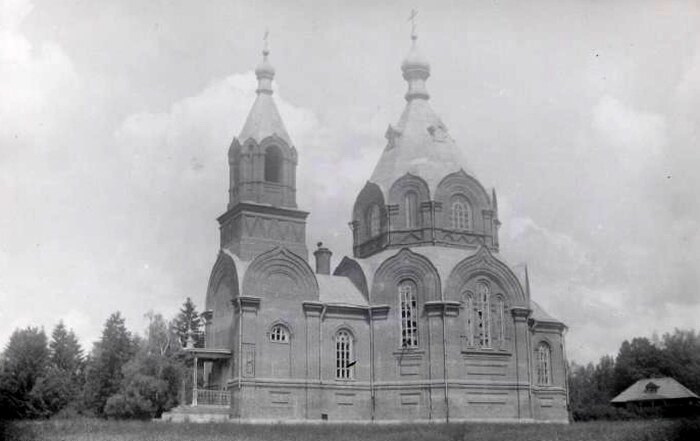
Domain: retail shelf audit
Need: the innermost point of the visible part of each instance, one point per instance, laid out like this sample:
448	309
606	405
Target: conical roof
419	143
264	119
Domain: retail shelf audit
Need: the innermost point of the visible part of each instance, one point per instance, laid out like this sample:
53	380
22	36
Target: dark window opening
273	164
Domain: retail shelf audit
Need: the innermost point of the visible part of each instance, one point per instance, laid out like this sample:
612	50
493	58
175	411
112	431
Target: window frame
460	214
282	337
344	351
544	364
408	323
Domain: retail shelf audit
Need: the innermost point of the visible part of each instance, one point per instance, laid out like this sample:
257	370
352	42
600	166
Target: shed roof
666	388
339	290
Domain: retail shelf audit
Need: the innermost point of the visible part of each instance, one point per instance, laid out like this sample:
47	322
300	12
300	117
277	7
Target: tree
636	360
65	351
25	361
187	319
104	370
152	378
681	352
62	383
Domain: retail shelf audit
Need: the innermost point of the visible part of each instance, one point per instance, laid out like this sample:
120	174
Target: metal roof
665	388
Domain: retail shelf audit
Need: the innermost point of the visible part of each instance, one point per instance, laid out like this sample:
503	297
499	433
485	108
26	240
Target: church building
424	322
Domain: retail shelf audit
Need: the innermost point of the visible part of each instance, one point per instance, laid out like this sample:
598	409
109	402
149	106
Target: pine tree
25	363
66	353
104	371
61	385
187	319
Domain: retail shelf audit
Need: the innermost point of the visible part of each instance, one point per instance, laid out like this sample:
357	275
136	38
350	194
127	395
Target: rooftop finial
265	72
266	48
416	69
412	19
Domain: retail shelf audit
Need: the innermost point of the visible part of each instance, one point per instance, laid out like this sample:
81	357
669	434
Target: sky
116	117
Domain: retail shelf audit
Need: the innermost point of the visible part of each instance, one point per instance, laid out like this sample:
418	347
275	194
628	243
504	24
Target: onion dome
416	70
265	73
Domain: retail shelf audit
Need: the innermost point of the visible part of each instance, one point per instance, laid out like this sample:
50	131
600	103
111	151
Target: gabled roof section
665	388
540	315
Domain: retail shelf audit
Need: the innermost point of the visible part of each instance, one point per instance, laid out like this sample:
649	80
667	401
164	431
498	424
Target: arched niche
459	186
370	196
483	265
222	289
405	265
279	272
408	192
273	169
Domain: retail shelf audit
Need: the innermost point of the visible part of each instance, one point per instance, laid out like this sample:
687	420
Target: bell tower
262	211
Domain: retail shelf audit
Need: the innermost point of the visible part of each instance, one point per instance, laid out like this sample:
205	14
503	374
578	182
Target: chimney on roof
323	259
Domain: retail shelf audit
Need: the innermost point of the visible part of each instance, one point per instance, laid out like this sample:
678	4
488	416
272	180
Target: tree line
591	387
128	375
125	375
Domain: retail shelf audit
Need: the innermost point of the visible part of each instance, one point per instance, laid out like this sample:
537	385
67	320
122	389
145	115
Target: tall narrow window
544	364
411	209
374	221
483	314
343	355
469	306
459	215
500	322
409	315
279	334
273	164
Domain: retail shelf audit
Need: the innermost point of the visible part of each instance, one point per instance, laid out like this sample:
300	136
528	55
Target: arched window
409	314
344	362
374	221
544	364
469	306
459	215
279	334
273	164
411	209
483	314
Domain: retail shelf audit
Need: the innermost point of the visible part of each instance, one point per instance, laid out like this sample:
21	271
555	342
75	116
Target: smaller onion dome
265	69
415	60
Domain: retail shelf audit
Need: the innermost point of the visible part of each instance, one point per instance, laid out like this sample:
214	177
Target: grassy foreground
98	430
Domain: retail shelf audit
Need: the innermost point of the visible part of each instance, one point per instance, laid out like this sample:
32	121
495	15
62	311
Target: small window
459	215
409	315
544	364
279	334
344	362
374	221
411	209
273	164
651	388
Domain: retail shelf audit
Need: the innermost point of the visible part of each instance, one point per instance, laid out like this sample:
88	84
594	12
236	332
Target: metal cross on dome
412	19
265	39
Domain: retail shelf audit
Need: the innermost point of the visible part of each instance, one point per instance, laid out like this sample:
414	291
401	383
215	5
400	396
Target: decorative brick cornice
247	304
520	313
448	308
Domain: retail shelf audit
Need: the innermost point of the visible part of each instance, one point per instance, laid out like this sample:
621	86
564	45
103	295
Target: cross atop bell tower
262	211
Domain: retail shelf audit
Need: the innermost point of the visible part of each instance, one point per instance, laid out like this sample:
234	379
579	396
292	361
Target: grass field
98	430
